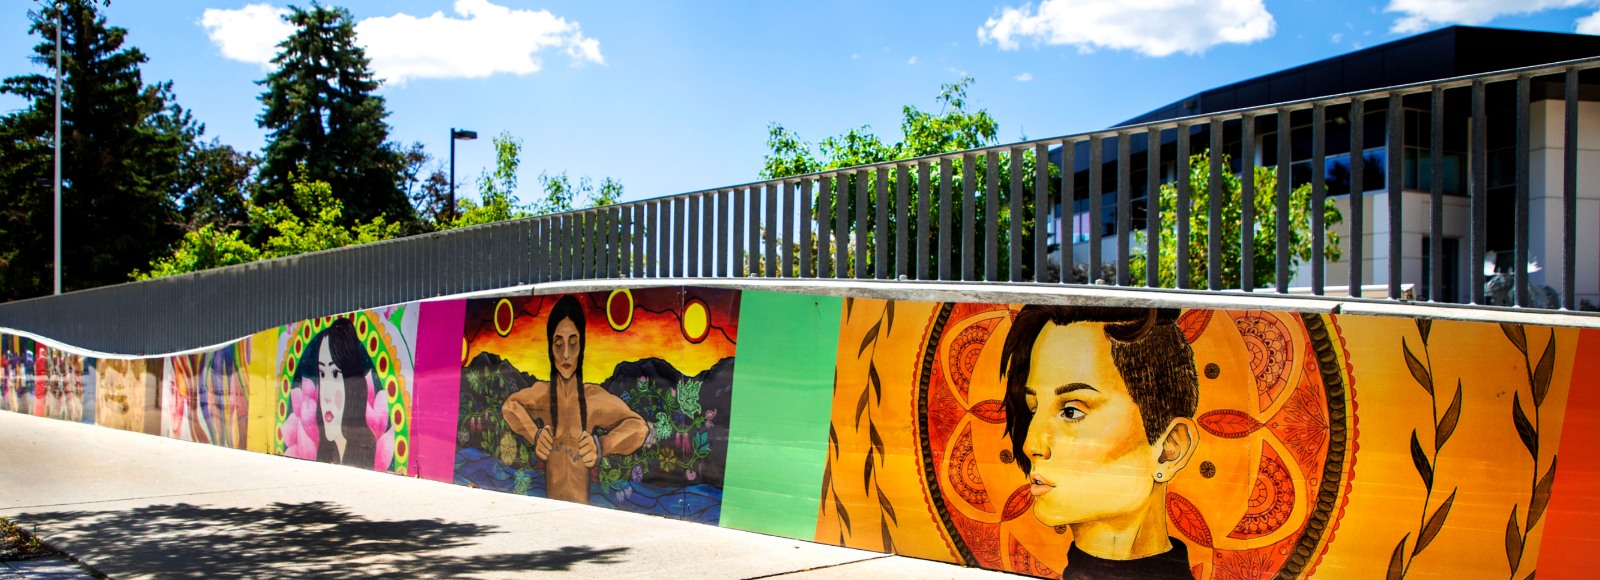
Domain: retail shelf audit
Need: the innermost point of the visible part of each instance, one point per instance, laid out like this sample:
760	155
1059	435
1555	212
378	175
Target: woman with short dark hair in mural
338	417
559	416
1099	408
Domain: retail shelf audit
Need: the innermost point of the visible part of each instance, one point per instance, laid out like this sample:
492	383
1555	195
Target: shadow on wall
299	540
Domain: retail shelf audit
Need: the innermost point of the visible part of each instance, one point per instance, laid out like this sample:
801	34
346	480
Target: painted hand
542	442
587	452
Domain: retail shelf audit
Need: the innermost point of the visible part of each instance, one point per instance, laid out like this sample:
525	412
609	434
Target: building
1437	55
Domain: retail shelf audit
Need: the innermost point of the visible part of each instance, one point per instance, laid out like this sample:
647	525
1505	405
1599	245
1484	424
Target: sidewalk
138	506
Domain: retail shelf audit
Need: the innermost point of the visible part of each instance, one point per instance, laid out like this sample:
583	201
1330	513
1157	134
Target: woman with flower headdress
338	416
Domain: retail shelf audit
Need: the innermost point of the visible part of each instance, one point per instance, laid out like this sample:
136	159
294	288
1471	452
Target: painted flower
689	473
638	473
710	414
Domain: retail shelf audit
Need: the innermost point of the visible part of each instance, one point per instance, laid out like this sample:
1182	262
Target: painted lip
328	416
1040	485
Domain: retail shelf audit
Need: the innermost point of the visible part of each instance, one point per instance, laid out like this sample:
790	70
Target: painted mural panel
128	395
618	399
344	388
38	380
205	397
1084	442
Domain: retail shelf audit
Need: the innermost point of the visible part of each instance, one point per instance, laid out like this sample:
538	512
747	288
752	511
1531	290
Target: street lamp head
463	134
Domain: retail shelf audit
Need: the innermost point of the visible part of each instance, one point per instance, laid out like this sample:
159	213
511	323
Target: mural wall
1076	442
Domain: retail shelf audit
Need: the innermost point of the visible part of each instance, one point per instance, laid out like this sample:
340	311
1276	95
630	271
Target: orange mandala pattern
1261	498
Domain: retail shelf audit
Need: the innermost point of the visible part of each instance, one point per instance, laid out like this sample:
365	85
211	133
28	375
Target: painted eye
1073	414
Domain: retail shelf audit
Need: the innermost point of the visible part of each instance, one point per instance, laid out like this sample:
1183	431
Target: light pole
60	20
463	135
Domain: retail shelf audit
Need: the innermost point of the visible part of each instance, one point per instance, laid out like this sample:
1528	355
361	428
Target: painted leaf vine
1429	525
1539	376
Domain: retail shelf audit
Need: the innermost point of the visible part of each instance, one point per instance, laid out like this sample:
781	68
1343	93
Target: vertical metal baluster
1069	218
1569	196
1358	193
1524	90
770	232
880	227
654	255
902	226
841	226
1281	208
1435	198
580	256
1096	228
692	221
1319	195
536	251
1041	212
824	223
991	225
1018	183
788	270
1152	212
1247	205
723	233
679	219
1396	155
755	231
1182	170
806	219
946	208
862	206
640	228
611	241
1124	206
709	234
1214	211
923	226
969	218
737	234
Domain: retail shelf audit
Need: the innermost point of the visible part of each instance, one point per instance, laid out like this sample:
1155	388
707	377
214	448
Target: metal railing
866	222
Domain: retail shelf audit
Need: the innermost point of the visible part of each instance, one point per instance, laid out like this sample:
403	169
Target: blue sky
670	97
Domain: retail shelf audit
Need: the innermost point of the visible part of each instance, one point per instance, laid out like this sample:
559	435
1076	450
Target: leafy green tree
323	114
498	191
212	247
1264	238
218	182
209	246
122	166
953	128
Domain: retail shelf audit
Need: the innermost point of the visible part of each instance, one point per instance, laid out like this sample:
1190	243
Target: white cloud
1420	15
1024	77
912	61
249	34
1151	27
1337	37
486	39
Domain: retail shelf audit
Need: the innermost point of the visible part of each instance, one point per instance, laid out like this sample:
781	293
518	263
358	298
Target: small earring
1158	475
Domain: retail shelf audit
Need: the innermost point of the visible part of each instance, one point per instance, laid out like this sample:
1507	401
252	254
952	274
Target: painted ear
1177	447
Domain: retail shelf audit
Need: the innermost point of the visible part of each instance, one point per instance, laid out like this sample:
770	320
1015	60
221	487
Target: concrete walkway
139	506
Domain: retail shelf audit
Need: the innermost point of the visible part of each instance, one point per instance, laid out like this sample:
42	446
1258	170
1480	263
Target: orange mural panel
1086	442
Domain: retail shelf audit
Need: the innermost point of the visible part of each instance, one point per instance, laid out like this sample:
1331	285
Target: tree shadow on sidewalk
285	540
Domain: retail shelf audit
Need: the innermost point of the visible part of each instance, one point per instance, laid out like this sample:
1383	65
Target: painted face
330	392
566	346
1091	458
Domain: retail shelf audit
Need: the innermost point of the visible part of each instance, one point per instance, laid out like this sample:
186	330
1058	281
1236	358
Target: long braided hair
567	308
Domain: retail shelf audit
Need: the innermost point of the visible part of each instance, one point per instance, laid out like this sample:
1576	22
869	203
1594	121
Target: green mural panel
782	397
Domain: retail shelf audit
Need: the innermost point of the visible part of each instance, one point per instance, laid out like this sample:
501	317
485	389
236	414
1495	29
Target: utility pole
60	20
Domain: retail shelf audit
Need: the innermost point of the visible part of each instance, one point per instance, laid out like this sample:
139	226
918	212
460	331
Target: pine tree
123	148
323	115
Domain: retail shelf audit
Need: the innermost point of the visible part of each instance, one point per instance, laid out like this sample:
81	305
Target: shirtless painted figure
559	416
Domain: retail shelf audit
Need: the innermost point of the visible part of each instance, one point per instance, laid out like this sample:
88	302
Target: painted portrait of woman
1099	408
559	416
337	414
